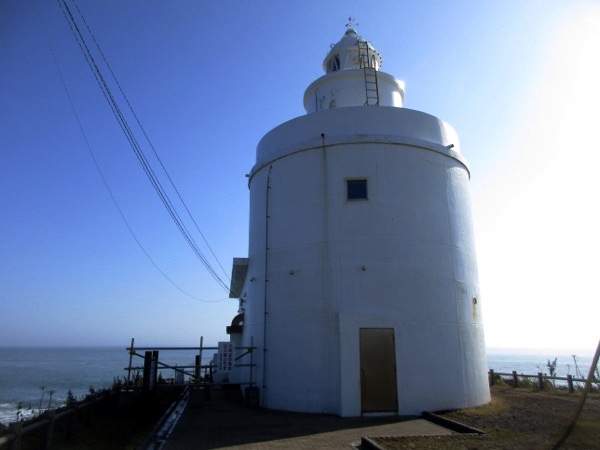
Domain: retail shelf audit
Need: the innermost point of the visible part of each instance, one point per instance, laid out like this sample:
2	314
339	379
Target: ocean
29	374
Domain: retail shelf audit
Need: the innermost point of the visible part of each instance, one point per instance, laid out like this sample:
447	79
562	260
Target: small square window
357	189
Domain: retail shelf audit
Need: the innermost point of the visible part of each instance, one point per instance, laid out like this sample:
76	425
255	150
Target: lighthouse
360	289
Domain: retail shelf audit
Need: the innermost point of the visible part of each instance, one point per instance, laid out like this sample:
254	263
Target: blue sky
517	79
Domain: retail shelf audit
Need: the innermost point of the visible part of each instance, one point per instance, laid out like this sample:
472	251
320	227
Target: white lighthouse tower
360	291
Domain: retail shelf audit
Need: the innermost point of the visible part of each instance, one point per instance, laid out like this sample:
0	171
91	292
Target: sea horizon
26	369
561	351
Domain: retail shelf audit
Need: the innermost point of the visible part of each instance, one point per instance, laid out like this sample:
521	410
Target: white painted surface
324	266
345	86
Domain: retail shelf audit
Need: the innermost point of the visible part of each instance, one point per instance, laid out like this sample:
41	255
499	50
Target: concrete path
224	422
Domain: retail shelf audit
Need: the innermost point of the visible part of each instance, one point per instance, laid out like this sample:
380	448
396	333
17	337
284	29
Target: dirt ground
516	419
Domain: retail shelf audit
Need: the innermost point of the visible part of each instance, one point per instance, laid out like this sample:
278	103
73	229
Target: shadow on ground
224	421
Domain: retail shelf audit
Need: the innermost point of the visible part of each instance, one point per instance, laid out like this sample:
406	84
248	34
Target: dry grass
516	419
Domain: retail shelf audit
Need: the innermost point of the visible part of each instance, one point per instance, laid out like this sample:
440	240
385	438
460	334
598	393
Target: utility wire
148	140
129	134
104	181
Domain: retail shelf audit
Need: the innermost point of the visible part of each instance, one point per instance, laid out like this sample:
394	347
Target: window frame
365	183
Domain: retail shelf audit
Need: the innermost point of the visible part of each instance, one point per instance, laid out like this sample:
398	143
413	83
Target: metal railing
197	373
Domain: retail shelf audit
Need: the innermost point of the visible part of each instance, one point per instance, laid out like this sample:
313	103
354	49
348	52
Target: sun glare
540	254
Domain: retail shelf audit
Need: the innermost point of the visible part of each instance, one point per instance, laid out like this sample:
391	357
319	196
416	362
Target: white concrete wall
403	259
347	88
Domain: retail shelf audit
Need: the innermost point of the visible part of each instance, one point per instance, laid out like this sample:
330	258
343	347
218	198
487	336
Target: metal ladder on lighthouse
367	63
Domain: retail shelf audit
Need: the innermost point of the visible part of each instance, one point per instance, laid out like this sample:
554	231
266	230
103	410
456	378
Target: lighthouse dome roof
349	52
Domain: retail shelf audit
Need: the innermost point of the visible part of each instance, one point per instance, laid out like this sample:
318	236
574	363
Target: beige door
378	391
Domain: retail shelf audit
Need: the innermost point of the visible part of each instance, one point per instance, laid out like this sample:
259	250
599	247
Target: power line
148	139
133	142
104	181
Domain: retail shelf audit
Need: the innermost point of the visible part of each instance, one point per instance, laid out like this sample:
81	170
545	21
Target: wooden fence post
515	379
150	369
17	428
540	378
197	369
49	429
71	423
492	380
90	410
570	383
